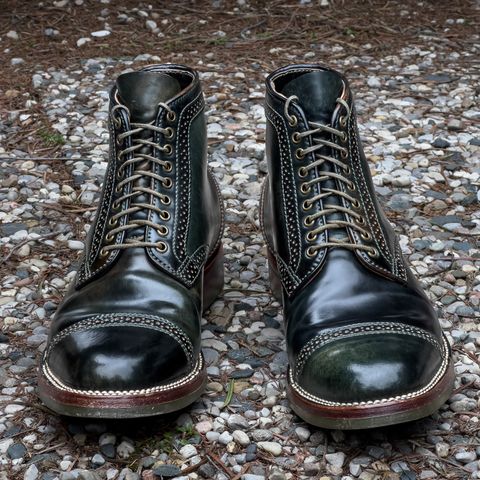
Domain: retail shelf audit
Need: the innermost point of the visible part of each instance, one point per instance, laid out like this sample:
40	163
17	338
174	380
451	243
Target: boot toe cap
369	368
119	356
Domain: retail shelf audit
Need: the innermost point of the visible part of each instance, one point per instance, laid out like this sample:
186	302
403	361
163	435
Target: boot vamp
133	328
345	293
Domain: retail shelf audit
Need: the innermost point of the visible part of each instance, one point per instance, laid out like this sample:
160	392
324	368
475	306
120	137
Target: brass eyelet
311	252
103	252
351	186
117	121
299	153
296	138
170	133
162	231
119	174
109	237
355	203
344	137
166	200
302	172
361	221
161	247
113	221
311	237
293	121
304	188
344	153
342	121
307	205
373	253
366	236
167	183
165	215
168	149
308	222
119	141
171	116
347	170
168	167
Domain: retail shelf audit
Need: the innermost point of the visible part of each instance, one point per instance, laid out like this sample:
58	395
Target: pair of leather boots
364	344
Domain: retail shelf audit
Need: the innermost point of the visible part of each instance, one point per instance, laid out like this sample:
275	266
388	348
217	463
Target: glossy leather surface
132	320
340	289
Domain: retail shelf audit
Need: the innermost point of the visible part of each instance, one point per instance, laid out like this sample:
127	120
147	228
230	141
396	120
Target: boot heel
275	282
213	278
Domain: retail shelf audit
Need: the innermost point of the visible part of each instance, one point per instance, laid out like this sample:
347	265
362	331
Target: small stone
83	41
12	34
16	450
237	422
271	447
98	460
125	449
335	459
440	142
466	457
225	438
101	33
442	449
188	451
31	473
302	433
167	471
151	25
203	427
75	245
241	438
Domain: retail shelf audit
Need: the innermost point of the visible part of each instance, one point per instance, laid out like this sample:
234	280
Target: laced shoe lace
141	145
354	219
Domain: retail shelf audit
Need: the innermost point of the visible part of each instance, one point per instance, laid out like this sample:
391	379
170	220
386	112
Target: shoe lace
354	219
141	145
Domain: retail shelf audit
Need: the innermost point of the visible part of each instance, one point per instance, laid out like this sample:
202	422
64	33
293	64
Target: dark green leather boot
365	346
125	342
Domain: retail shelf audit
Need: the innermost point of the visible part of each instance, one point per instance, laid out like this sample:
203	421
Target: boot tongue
141	92
317	93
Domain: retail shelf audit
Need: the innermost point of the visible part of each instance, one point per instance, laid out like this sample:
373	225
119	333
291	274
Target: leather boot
125	342
364	343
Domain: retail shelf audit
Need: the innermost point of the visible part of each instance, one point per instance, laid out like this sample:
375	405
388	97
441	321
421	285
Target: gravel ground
419	118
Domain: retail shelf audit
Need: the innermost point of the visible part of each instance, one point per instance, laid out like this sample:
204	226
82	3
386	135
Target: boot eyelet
168	167
165	215
170	133
168	149
167	183
161	247
166	200
113	221
373	253
171	116
366	236
103	253
119	174
109	237
307	205
293	121
299	153
311	237
311	252
308	222
302	172
343	137
351	186
347	170
117	121
119	141
305	188
296	138
355	203
344	153
361	221
162	230
118	188
342	121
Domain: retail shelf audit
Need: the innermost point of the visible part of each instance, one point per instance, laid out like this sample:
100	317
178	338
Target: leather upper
338	288
131	320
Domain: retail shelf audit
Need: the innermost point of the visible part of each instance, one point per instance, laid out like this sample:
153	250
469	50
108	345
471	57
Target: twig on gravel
24	242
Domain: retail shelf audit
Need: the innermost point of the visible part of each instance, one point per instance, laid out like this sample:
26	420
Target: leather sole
373	414
136	403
